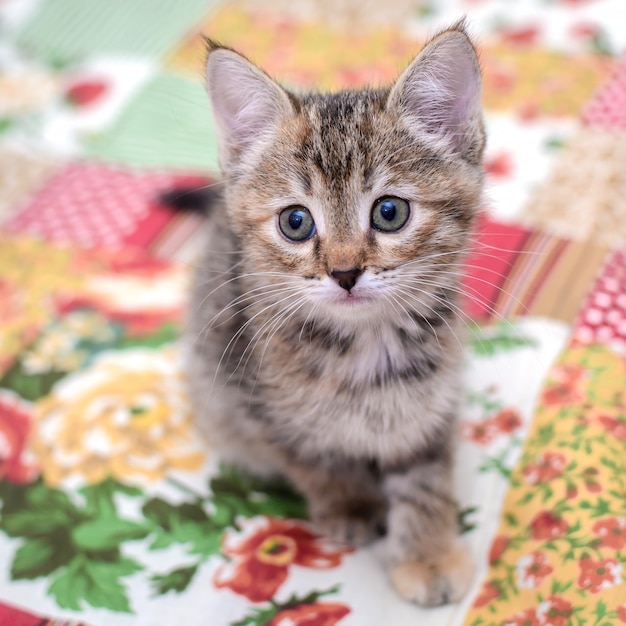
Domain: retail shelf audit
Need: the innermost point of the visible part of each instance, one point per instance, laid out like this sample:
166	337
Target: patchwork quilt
113	510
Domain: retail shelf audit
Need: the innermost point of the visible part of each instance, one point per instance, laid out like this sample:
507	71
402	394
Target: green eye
390	214
296	223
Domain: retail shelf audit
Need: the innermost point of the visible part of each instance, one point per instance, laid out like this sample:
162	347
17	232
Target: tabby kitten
324	319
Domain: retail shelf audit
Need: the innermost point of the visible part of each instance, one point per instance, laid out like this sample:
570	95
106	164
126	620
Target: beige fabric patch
584	197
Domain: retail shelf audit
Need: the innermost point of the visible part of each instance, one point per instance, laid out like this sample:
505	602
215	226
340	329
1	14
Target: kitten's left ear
440	94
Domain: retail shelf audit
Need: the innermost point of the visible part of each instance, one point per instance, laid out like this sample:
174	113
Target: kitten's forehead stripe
339	137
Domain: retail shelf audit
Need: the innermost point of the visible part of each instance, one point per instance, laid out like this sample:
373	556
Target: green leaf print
5	124
201	523
78	546
30	387
42	556
176	580
504	337
184	523
465	525
106	534
99	498
237	493
95	582
166	334
77	542
261	616
41	511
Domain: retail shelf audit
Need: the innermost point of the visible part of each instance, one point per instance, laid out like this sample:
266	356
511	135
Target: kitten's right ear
246	102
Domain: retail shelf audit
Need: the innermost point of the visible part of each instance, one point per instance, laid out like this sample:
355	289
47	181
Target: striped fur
352	395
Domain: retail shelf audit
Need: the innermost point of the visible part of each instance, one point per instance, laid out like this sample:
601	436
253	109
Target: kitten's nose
346	278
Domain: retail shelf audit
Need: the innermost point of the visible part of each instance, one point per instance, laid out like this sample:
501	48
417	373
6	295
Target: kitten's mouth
353	300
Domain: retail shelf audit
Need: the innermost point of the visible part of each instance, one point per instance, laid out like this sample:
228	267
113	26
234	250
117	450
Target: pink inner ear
441	89
246	103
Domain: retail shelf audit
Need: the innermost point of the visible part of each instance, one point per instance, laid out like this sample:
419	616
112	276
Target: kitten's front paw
356	525
434	582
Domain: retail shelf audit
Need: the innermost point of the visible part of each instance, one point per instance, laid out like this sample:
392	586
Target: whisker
242	330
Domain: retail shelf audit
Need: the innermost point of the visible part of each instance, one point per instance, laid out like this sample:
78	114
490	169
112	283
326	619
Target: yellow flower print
126	416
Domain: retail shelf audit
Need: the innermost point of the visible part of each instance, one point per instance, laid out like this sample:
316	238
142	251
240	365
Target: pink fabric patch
99	205
603	317
495	250
11	616
608	108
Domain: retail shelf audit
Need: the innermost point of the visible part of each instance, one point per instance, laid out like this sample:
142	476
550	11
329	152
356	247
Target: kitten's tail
192	199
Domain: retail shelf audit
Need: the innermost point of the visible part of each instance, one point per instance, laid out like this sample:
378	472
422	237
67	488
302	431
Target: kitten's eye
390	214
296	223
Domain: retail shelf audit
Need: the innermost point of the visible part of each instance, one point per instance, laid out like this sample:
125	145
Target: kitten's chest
377	354
378	395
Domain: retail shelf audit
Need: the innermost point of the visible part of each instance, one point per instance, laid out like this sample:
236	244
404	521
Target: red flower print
524	618
567	387
554	611
532	569
315	614
15	424
593	486
500	78
499	165
482	433
523	35
584	30
568	373
546	525
261	554
561	394
499	545
507	420
612	532
598	575
621	613
528	111
616	427
547	466
86	92
488	593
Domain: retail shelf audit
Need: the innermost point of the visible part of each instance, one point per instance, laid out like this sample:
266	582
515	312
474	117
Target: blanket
113	510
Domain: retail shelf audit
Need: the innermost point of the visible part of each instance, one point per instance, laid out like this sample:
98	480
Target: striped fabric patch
168	125
69	29
517	272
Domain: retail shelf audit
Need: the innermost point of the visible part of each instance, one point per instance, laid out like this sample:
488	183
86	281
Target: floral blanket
113	511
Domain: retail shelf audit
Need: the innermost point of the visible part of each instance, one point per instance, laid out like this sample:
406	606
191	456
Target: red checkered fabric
100	205
603	318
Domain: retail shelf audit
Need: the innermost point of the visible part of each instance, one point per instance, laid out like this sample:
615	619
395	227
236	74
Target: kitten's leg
345	504
428	563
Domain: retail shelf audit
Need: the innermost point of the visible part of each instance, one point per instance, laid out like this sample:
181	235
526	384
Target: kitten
324	318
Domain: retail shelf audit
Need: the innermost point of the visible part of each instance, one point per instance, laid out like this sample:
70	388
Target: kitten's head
359	202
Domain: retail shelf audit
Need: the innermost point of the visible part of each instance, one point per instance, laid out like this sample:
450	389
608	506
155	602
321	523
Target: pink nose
346	278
